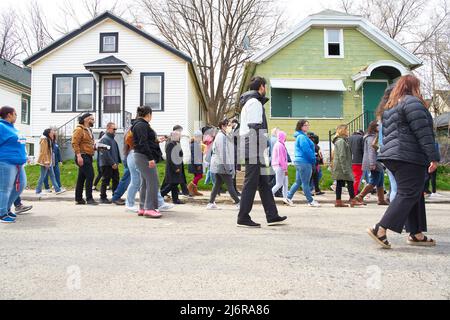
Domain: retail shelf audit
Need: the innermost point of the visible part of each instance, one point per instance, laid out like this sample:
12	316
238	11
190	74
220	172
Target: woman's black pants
408	207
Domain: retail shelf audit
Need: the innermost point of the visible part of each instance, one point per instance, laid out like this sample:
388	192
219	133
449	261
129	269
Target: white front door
112	101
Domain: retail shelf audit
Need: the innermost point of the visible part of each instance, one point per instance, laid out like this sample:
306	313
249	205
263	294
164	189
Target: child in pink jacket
280	165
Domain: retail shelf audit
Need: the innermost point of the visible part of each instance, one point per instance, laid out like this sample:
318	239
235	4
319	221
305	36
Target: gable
340	21
305	56
89	25
85	48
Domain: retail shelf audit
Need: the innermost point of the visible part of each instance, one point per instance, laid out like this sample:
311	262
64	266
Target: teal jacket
12	145
304	149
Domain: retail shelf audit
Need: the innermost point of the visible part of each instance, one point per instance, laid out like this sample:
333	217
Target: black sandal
382	241
425	242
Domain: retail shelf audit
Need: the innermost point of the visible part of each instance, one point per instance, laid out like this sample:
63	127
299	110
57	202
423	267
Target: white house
15	91
110	67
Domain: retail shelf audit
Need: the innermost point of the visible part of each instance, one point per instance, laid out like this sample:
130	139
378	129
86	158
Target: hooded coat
342	161
279	152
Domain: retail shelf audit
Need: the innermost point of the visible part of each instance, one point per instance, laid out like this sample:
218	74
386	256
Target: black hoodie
145	140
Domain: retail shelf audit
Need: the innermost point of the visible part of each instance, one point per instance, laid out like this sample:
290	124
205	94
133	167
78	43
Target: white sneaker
40	195
47	191
166	207
288	202
314	203
436	195
132	209
212	206
61	191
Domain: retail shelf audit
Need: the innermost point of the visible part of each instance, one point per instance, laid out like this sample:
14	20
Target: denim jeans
376	178
44	172
57	173
123	185
9	190
135	180
393	183
302	178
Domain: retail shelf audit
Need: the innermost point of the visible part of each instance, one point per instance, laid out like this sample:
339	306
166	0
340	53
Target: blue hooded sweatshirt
12	145
304	149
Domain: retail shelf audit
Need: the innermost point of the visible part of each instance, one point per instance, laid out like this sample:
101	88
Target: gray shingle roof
107	61
14	73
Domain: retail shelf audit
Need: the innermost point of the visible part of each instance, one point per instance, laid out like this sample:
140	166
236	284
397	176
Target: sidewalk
327	198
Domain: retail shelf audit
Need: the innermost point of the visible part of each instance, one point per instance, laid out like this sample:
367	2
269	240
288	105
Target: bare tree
220	35
75	13
34	32
10	48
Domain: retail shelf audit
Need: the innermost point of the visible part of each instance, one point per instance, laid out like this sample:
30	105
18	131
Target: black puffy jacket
408	133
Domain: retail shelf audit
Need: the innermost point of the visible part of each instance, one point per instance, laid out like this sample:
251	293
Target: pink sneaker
152	214
141	212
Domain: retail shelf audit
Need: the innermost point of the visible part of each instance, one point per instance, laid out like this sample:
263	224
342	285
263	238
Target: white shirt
252	112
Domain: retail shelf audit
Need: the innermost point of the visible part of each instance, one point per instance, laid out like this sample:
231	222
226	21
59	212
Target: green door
372	94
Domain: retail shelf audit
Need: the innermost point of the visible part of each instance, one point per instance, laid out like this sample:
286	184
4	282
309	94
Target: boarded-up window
287	103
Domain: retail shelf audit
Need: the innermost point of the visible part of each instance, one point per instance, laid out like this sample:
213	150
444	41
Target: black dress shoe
248	224
276	221
80	202
105	201
119	202
178	202
320	193
92	202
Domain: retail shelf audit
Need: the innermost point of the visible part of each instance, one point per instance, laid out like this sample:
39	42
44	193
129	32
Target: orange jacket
83	141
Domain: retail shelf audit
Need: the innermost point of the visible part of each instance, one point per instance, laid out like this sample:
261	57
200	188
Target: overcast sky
296	9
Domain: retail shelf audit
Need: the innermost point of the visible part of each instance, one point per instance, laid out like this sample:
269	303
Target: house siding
13	98
305	58
142	56
194	106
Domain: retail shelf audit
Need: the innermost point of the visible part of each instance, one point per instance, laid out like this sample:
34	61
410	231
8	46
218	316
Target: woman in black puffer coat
408	152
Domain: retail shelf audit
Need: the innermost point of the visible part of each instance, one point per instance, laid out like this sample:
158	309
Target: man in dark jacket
109	162
356	142
253	132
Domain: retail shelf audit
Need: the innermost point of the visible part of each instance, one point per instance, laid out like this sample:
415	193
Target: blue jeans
44	172
135	181
9	190
302	178
210	177
57	173
123	185
376	178
393	183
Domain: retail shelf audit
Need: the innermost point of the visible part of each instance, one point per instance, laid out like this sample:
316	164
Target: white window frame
26	120
160	91
71	94
109	44
341	44
92	88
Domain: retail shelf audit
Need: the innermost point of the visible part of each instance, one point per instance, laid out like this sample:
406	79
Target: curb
205	200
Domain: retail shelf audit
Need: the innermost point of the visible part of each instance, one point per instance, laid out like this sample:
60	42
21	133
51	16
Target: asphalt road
63	251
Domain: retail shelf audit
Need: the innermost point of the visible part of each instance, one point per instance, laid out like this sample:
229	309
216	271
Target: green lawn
69	175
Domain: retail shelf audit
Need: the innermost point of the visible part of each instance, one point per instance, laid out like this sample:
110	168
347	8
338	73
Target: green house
332	68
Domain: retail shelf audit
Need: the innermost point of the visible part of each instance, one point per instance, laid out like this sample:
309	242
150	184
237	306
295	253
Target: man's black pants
408	207
255	180
85	178
108	174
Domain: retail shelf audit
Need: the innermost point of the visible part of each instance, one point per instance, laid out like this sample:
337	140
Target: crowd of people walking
400	142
